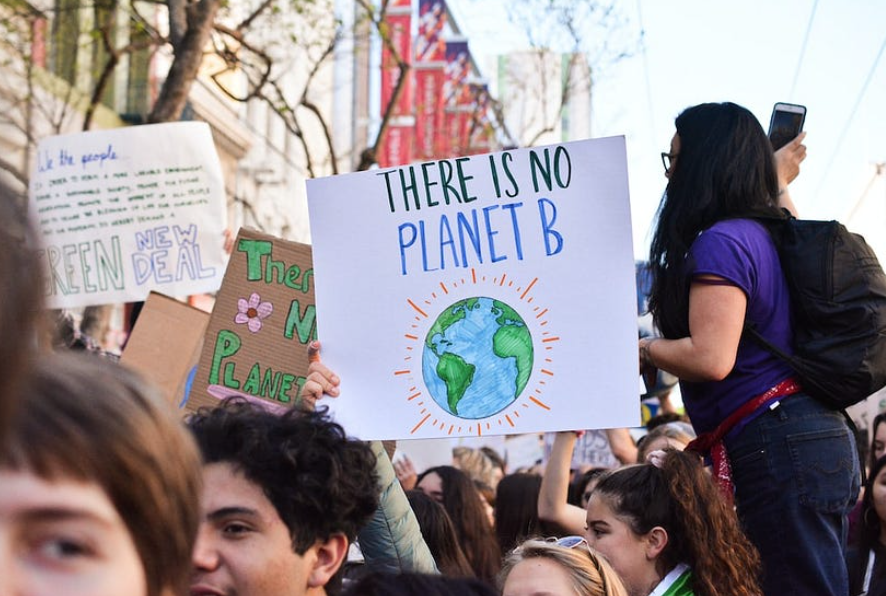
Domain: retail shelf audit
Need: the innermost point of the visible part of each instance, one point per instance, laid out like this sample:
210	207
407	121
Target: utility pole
879	170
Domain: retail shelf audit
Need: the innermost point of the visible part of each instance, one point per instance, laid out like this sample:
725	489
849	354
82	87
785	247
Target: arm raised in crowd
553	505
622	445
392	540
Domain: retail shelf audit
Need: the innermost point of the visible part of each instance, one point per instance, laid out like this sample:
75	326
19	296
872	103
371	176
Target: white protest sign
482	295
129	210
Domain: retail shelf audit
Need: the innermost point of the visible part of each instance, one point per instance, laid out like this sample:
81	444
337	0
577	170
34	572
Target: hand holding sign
321	381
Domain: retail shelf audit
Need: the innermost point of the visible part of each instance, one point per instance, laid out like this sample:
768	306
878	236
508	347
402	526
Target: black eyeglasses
667	160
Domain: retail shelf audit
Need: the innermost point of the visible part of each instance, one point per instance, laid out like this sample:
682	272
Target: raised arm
553	505
622	445
392	540
787	163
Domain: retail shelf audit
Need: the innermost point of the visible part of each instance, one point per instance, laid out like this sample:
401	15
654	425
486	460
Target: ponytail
703	531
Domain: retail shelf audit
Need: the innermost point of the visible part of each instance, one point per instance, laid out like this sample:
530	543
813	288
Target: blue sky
748	52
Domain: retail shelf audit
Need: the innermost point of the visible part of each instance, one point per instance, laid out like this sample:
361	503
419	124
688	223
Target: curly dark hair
320	482
703	530
725	169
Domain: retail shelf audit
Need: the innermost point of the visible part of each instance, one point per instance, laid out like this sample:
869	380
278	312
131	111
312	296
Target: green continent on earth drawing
477	357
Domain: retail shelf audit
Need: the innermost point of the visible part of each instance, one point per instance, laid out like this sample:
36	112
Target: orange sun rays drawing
465	291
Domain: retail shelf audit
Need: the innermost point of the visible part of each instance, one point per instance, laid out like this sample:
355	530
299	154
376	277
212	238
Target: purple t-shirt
742	252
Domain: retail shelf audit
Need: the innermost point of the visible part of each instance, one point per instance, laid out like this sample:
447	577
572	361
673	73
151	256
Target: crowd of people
105	491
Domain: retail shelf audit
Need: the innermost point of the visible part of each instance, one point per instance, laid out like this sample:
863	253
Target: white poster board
129	210
483	295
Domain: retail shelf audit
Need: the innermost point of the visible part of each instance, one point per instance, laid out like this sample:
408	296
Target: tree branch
14	171
255	14
188	57
330	48
369	155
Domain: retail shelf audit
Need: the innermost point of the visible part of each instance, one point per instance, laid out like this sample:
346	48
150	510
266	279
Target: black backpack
838	303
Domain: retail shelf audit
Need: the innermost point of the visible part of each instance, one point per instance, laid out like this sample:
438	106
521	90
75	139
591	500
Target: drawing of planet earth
477	357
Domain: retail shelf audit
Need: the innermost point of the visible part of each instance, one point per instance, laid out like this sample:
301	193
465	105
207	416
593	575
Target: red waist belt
712	443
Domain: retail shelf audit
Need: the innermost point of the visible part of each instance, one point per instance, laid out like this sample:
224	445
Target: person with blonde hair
478	465
565	567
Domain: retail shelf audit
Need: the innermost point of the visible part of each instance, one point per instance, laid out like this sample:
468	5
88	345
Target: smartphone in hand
785	124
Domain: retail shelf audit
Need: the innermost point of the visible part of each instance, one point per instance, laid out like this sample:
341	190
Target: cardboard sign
165	344
490	294
263	320
129	210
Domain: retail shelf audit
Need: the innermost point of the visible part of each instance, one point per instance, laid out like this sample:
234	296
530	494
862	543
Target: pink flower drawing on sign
252	312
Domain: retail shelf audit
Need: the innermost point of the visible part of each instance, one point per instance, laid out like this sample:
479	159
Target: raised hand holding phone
785	124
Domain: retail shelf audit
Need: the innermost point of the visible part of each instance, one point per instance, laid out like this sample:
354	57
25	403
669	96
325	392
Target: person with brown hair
454	490
439	534
663	526
21	296
564	567
100	486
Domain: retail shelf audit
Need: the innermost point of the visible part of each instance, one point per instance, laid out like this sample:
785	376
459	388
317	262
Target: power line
861	94
649	103
803	49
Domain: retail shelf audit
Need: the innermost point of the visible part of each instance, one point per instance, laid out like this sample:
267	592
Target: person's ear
329	556
656	541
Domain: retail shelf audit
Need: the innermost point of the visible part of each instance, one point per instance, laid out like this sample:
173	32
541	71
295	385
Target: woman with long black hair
794	466
866	557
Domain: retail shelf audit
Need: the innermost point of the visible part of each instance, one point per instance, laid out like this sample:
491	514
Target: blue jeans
796	475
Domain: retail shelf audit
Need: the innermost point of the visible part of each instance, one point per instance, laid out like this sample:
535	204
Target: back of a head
82	418
516	512
439	534
725	165
479	466
703	530
725	168
674	435
416	584
589	573
320	482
